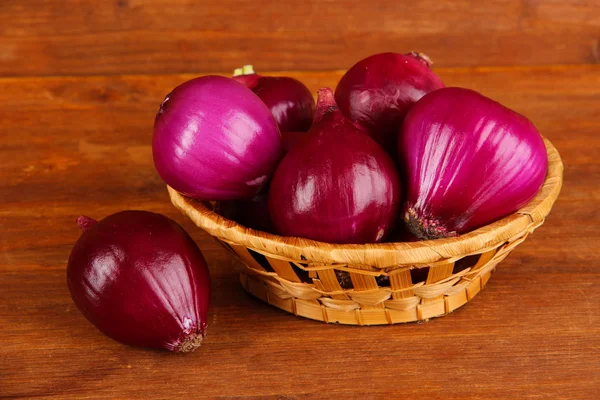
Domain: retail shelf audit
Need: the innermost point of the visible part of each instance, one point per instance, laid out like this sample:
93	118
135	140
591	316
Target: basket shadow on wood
302	276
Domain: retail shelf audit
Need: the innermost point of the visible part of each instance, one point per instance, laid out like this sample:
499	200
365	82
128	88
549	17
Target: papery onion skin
468	161
140	279
290	101
378	91
214	139
336	185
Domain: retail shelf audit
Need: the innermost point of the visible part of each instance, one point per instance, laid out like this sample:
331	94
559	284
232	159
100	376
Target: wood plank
64	37
71	146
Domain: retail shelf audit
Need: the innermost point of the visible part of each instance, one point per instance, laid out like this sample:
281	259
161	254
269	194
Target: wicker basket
373	284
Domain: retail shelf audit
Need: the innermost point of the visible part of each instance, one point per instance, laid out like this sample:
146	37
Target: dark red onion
140	279
468	161
290	101
253	213
214	140
289	139
378	91
336	185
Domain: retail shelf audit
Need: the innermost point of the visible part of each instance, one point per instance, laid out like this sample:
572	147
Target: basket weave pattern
303	276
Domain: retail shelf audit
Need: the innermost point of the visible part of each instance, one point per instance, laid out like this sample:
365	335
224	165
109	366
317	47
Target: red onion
289	100
378	91
253	213
468	161
214	139
289	139
335	185
140	279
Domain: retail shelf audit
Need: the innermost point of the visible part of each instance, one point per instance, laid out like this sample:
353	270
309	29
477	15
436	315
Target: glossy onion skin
378	91
336	184
140	279
214	139
290	101
468	161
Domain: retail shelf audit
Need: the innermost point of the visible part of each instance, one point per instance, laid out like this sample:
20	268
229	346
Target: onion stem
245	70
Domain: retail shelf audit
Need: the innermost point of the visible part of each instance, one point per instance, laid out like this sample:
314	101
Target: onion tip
245	70
162	107
325	103
248	70
84	223
421	57
190	342
425	227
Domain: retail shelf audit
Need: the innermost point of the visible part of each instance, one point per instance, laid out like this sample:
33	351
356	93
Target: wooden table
81	145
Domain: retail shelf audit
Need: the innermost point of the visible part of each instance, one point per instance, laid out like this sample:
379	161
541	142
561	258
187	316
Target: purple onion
336	184
468	161
253	213
215	140
378	91
290	101
289	139
141	280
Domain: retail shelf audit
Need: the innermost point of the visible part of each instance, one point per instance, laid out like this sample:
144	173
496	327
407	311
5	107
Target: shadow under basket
373	284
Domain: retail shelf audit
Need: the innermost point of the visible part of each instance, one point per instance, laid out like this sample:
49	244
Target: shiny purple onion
467	161
141	280
290	101
378	91
336	184
215	140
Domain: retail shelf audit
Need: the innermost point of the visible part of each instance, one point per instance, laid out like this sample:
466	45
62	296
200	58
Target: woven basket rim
383	255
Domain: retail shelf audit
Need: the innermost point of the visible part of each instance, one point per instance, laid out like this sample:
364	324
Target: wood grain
65	37
81	145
